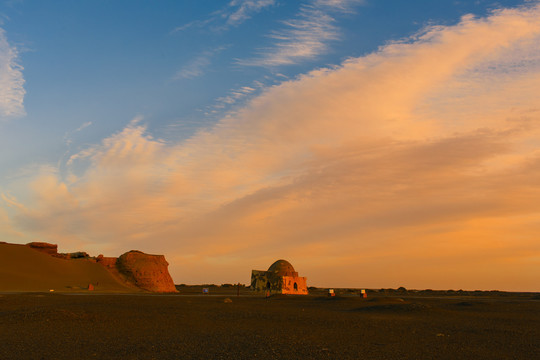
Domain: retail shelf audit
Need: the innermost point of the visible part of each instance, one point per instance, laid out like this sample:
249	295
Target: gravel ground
64	326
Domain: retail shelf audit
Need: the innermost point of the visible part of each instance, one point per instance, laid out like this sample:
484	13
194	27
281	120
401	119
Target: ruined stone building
280	278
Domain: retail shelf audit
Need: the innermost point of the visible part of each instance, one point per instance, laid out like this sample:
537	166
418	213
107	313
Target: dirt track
63	326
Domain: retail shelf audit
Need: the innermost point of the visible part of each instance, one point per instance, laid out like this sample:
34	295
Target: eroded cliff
48	269
148	272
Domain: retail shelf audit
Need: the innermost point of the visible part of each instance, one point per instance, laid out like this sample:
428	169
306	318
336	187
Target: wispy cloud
83	126
244	9
400	164
341	5
236	95
68	134
305	36
11	80
198	65
193	24
234	14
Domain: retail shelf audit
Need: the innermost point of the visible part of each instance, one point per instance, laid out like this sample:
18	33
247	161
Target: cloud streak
234	14
11	80
243	9
236	95
417	164
197	66
305	36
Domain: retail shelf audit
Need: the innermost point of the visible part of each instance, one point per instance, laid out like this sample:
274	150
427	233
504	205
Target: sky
372	143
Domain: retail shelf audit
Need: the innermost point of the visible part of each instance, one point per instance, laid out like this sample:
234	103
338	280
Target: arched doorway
295	287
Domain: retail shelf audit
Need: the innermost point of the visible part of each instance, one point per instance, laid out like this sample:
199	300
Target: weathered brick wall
289	287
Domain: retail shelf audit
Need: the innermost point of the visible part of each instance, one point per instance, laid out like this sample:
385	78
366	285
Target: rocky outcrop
51	249
134	268
77	255
148	272
73	255
108	262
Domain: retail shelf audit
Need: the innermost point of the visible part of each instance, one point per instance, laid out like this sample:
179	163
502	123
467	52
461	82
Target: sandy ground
26	269
94	326
112	323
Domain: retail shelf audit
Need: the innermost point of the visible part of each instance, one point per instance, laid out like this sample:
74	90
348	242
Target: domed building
280	278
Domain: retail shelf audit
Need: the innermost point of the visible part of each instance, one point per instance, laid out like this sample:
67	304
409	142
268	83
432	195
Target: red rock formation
51	249
73	255
108	262
149	272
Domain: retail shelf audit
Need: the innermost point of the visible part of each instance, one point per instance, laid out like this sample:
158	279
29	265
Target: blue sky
174	63
106	62
79	77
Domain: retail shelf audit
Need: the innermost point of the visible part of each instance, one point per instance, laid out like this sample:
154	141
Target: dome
281	268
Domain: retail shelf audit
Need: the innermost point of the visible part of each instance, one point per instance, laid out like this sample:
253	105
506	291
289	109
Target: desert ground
222	325
116	321
23	269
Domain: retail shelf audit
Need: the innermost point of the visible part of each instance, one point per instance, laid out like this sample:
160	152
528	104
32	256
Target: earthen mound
148	272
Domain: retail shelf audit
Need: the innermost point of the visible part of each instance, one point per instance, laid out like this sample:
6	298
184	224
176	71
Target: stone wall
263	281
258	280
294	285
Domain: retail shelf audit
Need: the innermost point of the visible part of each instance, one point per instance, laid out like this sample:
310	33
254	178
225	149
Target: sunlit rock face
108	262
148	272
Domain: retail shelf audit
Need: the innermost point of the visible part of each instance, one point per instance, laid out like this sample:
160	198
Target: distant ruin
280	278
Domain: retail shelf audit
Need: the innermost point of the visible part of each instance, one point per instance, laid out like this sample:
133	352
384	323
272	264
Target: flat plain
226	326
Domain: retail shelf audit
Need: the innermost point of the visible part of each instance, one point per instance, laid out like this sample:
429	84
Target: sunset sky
372	143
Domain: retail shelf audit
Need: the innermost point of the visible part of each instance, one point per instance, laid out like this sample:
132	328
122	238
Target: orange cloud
416	165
